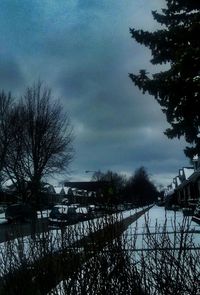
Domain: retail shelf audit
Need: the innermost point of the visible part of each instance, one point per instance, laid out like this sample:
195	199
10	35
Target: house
184	188
187	185
170	195
48	188
65	190
194	188
57	189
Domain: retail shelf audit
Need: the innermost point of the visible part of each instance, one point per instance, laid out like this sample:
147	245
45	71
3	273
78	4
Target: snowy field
156	217
152	223
54	237
157	220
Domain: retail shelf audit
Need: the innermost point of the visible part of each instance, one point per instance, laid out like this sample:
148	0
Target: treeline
35	139
137	189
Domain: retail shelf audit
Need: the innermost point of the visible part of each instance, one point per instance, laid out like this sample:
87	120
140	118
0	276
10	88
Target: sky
83	50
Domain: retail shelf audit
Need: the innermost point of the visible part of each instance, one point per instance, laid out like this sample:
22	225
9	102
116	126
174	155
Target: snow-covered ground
158	219
155	217
45	214
2	218
54	237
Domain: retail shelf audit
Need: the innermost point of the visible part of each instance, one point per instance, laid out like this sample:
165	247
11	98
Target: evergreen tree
175	89
140	189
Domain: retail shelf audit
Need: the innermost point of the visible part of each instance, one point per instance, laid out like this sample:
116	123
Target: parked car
20	212
63	214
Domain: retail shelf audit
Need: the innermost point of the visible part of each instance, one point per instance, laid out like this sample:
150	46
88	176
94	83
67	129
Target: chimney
195	161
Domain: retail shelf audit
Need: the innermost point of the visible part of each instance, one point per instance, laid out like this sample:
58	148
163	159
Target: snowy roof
57	189
7	184
195	158
170	189
177	181
188	172
66	188
181	172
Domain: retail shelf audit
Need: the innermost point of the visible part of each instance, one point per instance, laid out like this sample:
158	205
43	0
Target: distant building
186	191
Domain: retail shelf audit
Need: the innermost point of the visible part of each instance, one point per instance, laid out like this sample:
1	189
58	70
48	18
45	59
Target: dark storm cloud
115	124
11	75
83	50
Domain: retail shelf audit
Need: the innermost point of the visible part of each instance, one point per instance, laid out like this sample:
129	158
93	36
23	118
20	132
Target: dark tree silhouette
6	103
177	44
116	183
41	139
140	189
116	180
15	168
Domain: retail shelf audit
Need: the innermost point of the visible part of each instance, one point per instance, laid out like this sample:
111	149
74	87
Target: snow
156	218
2	218
57	189
83	210
178	181
54	237
188	172
181	172
196	78
66	189
7	184
43	214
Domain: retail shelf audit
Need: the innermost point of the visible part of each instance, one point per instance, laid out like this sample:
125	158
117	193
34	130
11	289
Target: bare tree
42	139
15	159
115	185
6	103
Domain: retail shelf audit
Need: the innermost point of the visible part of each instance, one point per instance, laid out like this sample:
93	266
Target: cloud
11	74
84	51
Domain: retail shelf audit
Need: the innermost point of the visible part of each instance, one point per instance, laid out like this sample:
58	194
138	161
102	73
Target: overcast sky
83	50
